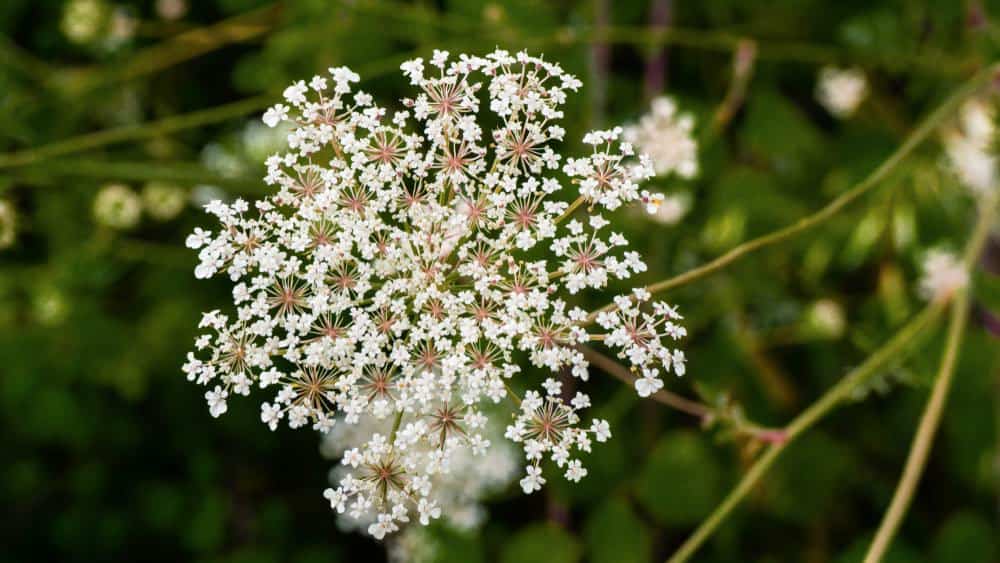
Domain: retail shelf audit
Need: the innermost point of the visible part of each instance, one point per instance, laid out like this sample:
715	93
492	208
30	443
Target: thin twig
621	373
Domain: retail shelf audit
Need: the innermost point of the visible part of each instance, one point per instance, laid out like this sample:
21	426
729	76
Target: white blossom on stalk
666	137
407	265
943	274
970	147
841	91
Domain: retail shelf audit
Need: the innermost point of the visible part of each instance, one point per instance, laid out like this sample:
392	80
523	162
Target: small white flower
648	385
275	115
575	471
533	481
841	91
943	274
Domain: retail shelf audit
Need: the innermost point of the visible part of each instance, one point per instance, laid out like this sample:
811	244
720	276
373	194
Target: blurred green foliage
110	455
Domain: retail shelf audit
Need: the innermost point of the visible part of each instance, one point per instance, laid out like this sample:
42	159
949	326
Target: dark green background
110	455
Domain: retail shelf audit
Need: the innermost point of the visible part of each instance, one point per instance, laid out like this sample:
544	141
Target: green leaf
965	538
541	543
681	482
615	534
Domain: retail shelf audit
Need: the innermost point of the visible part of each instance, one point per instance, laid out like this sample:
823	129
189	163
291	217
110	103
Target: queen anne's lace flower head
410	262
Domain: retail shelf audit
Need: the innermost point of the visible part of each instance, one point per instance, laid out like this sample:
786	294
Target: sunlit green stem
931	418
569	210
924	130
892	349
177	172
895	348
135	132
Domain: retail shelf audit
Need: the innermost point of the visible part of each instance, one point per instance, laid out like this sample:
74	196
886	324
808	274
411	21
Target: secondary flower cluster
458	493
410	262
841	91
971	147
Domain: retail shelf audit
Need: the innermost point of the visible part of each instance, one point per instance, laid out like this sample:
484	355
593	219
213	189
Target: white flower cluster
666	136
457	493
971	147
399	272
943	274
841	91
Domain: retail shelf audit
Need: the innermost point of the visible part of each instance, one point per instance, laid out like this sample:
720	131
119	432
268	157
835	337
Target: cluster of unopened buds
410	264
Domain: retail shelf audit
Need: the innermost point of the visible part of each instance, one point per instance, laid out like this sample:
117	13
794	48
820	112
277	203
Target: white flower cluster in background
669	209
119	207
943	274
841	91
458	493
410	263
970	147
98	23
666	137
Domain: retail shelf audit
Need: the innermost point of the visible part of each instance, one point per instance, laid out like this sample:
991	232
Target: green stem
179	173
181	48
170	124
621	373
135	132
794	51
396	422
921	446
896	348
917	136
931	418
569	210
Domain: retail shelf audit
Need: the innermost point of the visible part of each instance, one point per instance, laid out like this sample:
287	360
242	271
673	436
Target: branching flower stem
931	418
704	413
917	136
668	398
895	348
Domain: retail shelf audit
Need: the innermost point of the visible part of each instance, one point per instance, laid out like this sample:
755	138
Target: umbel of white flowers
395	273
